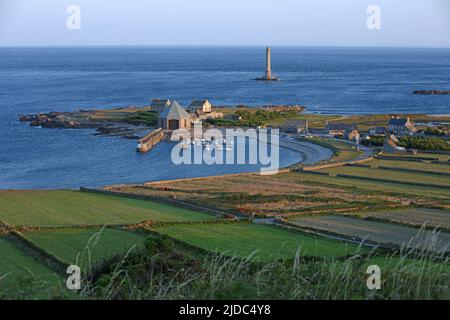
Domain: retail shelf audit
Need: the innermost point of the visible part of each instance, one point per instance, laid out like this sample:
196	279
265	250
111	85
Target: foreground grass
40	208
167	271
265	242
86	247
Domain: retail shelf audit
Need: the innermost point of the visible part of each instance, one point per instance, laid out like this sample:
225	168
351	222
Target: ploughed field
86	247
417	217
62	208
384	233
262	242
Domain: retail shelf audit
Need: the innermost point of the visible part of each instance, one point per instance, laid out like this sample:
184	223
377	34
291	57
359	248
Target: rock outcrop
432	92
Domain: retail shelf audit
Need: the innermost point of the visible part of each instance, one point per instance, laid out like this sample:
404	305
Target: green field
267	242
85	246
40	208
343	151
439	168
390	175
18	271
441	157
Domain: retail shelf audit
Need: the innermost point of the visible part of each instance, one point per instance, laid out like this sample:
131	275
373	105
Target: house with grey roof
378	131
391	146
294	126
402	126
339	129
174	118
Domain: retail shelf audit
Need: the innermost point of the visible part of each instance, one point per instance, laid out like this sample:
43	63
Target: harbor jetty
149	141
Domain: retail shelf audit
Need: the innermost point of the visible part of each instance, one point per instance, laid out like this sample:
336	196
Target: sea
340	81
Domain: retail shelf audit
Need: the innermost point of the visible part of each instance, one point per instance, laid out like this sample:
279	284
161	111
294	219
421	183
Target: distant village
173	116
396	128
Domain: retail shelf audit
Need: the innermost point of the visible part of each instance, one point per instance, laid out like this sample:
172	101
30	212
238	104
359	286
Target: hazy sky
411	23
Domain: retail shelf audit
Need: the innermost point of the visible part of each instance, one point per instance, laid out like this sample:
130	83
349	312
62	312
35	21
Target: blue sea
325	80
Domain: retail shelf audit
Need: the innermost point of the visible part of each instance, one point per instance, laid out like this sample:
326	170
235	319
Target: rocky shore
432	92
103	124
52	120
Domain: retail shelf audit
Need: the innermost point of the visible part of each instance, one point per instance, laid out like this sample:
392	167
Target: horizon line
215	45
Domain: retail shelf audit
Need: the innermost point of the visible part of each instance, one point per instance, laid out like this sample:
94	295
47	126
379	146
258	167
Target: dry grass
268	195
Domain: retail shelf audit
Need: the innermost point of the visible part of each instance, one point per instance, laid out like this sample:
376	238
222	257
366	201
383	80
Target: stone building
200	105
174	118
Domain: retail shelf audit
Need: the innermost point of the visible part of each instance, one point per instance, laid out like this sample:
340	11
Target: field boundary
336	164
419	184
413	171
41	255
406	158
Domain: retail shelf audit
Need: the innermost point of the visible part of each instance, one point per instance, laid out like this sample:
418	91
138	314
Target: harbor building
174	118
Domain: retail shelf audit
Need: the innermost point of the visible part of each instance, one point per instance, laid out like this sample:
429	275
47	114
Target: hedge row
173	202
406	158
40	254
415	171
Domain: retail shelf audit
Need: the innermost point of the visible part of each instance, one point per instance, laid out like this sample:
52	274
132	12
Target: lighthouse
268	76
268	64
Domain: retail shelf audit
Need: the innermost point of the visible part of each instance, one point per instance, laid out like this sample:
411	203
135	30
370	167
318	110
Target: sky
404	23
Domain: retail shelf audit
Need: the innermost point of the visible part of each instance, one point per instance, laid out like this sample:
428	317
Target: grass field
83	246
439	168
376	231
441	157
71	207
390	175
22	275
414	216
343	151
13	262
267	242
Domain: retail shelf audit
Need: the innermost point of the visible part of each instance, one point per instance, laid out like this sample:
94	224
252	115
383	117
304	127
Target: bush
149	118
374	141
421	143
